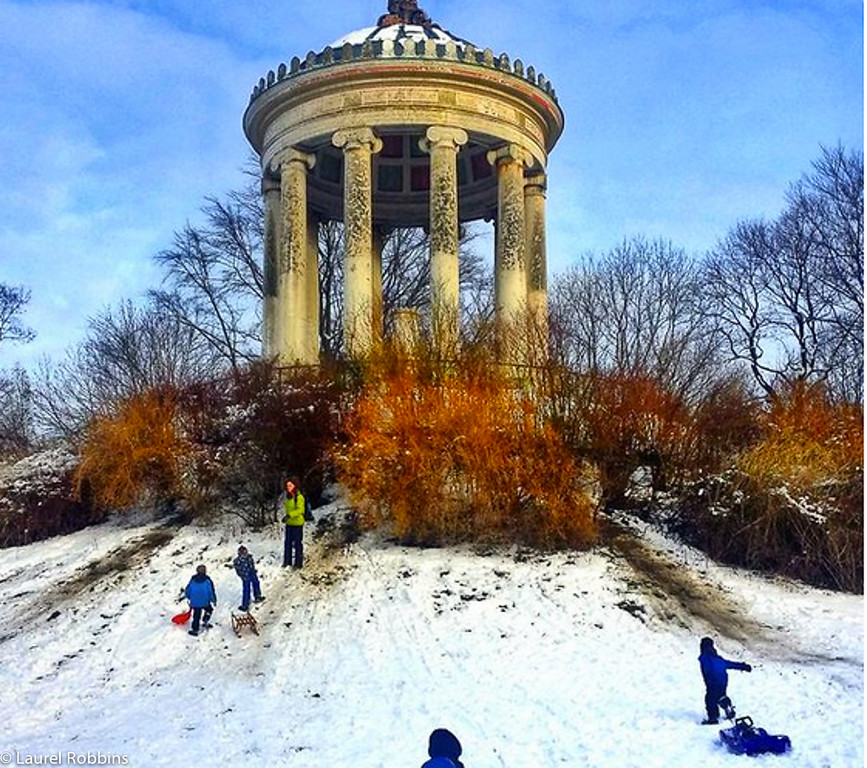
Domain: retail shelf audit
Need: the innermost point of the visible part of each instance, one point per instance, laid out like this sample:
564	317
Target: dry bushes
37	500
251	431
464	457
132	453
727	420
622	422
224	444
807	442
793	502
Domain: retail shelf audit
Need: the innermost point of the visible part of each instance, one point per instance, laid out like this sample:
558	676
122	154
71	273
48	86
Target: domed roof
404	22
388	61
401	33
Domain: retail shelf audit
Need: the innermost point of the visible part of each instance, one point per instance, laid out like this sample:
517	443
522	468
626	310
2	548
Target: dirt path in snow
109	569
680	593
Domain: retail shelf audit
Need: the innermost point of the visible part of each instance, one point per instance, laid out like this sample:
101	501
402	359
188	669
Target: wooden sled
244	620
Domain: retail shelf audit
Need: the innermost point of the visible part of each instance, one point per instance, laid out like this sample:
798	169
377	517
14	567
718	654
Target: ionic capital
510	153
270	184
536	183
438	136
357	138
293	155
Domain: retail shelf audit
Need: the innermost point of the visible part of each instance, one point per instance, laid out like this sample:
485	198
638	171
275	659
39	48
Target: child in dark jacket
714	670
444	750
202	596
245	567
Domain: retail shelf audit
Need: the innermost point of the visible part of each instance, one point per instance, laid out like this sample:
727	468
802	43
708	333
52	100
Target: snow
403	33
565	659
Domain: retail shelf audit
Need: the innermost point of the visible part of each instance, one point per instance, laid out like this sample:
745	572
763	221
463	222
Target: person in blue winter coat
203	597
245	567
714	670
444	750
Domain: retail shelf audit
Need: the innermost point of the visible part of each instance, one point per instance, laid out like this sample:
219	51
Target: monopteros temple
402	124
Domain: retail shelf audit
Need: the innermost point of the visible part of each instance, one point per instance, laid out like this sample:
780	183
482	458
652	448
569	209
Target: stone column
273	219
293	266
359	145
510	270
379	237
443	145
407	331
536	254
311	332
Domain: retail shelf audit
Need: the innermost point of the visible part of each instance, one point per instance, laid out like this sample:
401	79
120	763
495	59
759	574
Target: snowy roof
401	33
405	30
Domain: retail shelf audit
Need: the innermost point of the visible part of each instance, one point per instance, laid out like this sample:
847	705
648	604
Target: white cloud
119	127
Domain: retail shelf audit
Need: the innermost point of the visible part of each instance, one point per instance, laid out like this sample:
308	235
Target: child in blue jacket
202	596
444	750
714	670
245	567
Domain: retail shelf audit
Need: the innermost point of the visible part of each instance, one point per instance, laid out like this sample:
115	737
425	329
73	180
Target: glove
747	668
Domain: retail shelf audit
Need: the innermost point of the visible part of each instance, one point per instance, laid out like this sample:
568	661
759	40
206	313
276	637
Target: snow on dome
400	33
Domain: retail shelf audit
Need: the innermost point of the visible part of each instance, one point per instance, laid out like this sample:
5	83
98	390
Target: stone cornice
387	49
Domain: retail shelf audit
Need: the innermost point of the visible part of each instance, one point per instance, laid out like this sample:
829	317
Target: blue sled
743	738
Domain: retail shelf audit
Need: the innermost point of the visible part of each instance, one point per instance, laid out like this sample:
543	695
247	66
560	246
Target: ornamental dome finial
404	12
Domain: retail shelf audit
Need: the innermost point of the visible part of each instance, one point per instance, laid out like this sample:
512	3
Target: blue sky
117	117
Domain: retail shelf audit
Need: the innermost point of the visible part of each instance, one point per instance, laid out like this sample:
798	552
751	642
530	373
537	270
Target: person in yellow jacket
293	507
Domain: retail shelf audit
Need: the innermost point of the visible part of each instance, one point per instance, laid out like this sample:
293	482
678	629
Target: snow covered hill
573	659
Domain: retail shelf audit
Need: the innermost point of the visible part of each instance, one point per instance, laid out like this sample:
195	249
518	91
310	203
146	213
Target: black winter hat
707	645
443	743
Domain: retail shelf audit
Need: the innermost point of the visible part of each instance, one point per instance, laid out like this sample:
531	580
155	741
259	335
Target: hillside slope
560	660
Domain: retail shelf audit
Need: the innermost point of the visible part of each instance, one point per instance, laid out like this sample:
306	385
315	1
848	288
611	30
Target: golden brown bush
132	453
621	422
806	441
792	502
464	458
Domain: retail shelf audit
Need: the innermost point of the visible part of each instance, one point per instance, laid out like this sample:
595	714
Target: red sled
182	618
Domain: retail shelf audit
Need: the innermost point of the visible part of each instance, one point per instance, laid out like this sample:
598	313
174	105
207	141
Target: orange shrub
622	422
807	441
132	453
466	458
793	501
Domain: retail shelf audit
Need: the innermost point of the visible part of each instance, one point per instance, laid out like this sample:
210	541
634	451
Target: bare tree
15	406
734	286
636	311
406	276
214	279
788	294
830	204
13	300
16	434
331	246
126	351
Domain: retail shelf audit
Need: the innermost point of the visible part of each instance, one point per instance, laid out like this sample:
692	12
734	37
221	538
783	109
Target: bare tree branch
789	294
13	300
635	311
